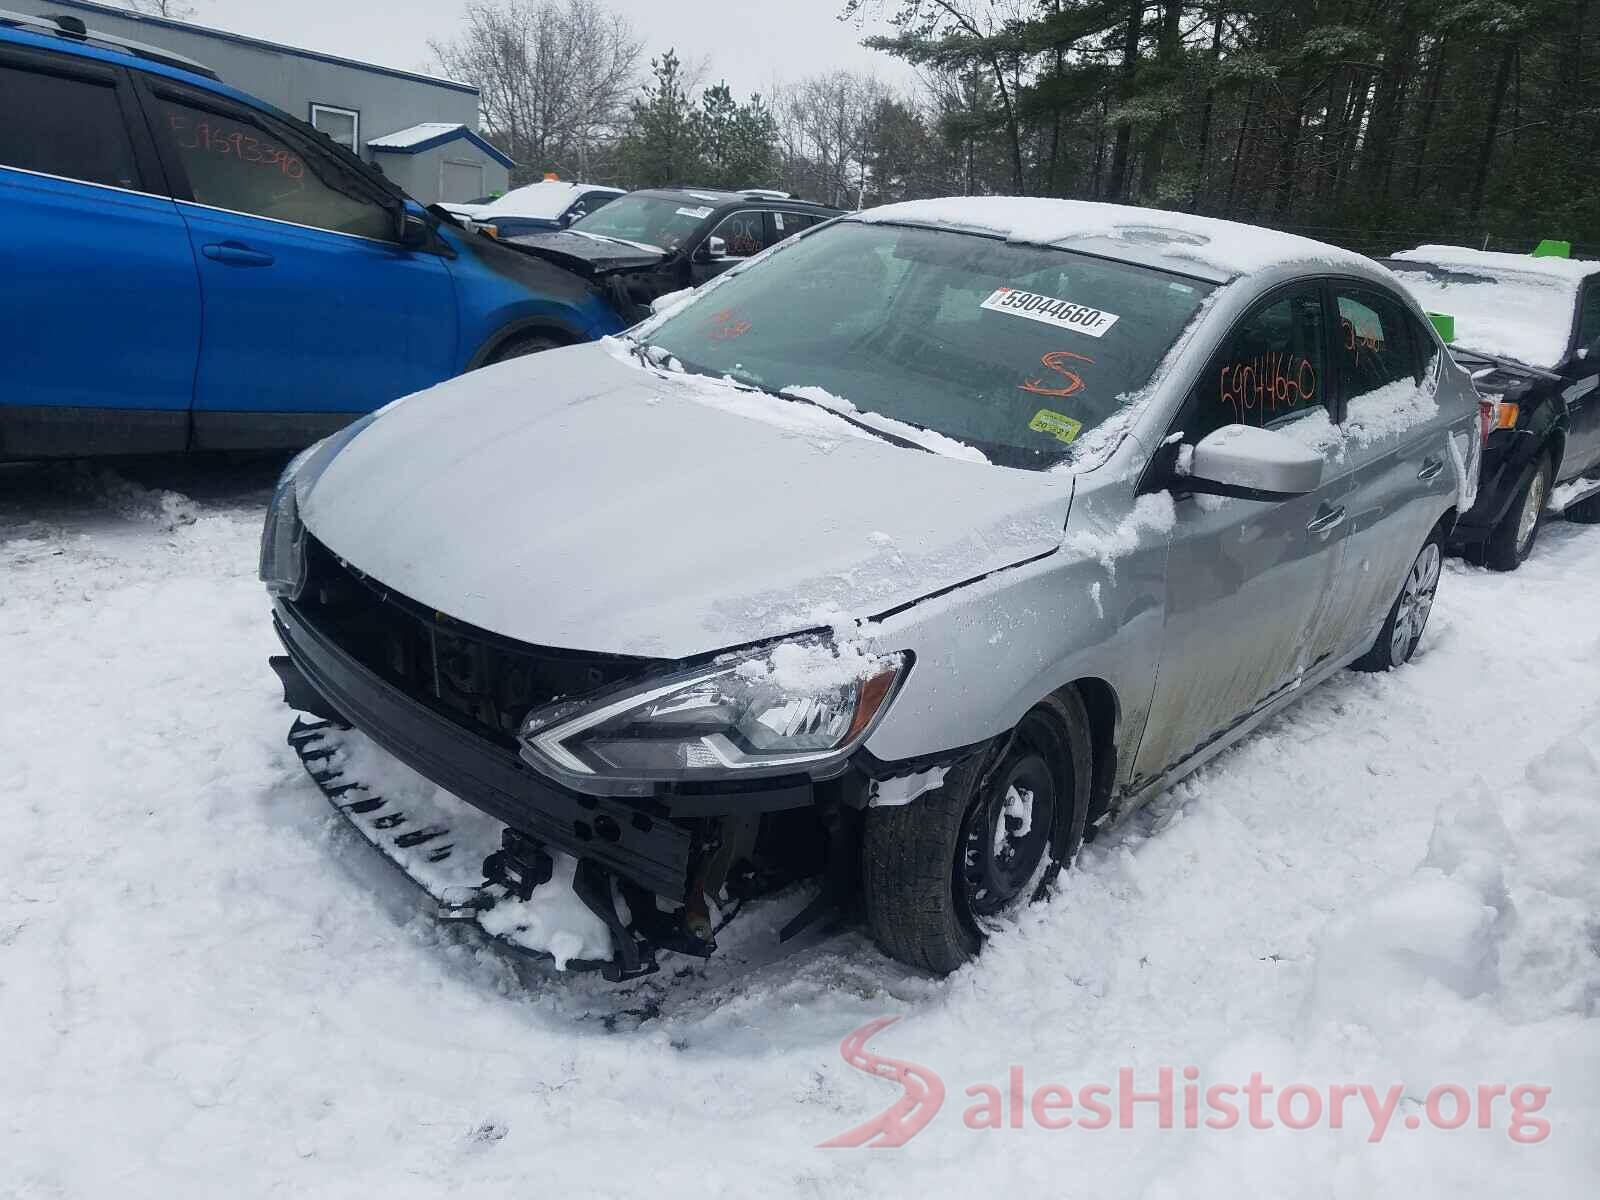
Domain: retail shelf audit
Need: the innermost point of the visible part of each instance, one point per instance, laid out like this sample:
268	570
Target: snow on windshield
961	344
1508	304
546	200
1223	246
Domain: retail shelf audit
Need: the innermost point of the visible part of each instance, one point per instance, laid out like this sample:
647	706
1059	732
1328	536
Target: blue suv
189	268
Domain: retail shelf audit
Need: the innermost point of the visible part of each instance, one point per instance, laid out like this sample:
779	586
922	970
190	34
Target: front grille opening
481	680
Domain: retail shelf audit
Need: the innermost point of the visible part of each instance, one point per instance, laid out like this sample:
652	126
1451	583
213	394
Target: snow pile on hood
1227	247
724	512
1520	307
813	667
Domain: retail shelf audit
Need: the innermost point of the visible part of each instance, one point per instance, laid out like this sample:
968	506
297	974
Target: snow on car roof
546	200
1198	245
1513	305
1494	262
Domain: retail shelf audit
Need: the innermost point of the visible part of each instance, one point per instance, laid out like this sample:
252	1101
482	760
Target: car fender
502	292
987	652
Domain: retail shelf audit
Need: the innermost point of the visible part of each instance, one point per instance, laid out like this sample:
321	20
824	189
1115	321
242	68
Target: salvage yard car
649	244
548	204
1528	328
909	553
188	268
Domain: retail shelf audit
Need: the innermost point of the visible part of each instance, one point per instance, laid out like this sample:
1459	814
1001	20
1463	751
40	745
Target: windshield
1524	316
1015	350
654	220
547	199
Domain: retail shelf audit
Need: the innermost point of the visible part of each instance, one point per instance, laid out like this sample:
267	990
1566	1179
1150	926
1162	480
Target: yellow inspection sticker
1062	428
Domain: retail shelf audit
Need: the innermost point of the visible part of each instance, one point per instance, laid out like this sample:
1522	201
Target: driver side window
742	233
1269	372
247	164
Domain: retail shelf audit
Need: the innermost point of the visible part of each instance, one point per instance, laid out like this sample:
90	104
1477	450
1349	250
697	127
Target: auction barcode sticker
1063	314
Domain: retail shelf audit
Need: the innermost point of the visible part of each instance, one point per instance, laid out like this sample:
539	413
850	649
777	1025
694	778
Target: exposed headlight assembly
798	706
283	537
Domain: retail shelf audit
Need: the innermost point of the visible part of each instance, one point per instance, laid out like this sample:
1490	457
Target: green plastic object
1445	324
1550	248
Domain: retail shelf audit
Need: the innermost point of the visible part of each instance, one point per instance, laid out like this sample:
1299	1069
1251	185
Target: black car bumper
1505	462
649	840
638	840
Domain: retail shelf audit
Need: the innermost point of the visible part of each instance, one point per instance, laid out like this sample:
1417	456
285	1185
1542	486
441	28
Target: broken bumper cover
645	843
637	842
444	860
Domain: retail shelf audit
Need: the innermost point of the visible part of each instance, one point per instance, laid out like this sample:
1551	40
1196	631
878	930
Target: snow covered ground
209	987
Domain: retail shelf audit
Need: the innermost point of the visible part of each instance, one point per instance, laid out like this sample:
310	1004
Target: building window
343	125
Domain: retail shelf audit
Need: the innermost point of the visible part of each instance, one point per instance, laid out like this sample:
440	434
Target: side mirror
711	249
411	231
1252	464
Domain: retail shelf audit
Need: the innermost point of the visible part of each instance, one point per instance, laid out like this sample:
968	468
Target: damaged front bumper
632	848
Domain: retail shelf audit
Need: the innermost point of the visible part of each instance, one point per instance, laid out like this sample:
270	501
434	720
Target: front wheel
942	871
1512	539
1408	616
521	347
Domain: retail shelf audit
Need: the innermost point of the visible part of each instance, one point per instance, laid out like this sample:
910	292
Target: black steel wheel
942	872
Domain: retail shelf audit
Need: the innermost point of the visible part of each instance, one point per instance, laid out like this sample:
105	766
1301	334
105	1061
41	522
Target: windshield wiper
642	351
894	439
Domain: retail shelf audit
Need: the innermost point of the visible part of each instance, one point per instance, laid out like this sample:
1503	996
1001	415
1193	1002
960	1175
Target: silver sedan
909	552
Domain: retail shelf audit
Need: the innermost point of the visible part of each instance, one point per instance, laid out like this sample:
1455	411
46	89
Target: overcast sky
748	42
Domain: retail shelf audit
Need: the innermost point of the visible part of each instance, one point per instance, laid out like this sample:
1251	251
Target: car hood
588	255
574	499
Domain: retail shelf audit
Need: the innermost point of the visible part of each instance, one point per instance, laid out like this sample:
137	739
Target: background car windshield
654	220
1017	350
1520	315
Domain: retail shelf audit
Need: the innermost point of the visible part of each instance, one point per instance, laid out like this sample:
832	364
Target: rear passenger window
786	225
236	164
1375	347
1270	371
67	127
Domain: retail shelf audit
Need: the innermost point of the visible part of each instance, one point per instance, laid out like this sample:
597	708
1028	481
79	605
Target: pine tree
664	143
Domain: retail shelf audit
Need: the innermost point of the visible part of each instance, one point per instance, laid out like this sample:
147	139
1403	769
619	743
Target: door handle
1326	519
1431	467
236	254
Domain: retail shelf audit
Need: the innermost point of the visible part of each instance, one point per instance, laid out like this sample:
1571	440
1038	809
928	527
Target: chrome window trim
109	187
234	212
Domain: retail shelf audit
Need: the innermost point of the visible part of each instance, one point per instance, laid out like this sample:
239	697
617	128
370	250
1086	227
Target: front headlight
283	537
798	706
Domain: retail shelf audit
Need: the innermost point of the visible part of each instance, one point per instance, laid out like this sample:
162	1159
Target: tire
523	345
1408	615
1509	545
928	901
